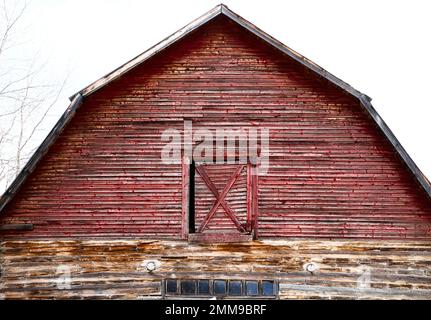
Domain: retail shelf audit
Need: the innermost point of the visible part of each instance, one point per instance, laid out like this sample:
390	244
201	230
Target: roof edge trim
181	33
219	9
41	151
292	53
417	173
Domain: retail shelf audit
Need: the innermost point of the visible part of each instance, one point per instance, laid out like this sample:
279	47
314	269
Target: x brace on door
220	198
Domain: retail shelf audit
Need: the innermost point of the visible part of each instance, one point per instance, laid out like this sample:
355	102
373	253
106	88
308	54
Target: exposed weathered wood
220	237
105	269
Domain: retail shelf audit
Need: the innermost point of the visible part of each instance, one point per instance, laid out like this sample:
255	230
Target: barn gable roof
195	24
77	98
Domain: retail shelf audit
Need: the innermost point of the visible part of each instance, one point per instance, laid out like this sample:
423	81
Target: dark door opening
192	198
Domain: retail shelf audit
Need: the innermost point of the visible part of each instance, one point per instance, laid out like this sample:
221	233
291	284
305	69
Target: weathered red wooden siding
100	181
332	173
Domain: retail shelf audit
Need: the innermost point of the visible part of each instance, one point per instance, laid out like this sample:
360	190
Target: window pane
204	287
220	287
235	288
268	288
188	287
252	288
171	286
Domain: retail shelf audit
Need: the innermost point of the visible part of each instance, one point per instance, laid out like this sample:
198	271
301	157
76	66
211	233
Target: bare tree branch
10	24
25	101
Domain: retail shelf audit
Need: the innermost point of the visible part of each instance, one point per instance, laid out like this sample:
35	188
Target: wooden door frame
252	198
185	199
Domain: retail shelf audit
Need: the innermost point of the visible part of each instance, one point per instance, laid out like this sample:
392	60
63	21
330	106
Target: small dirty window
268	288
221	288
188	287
204	287
252	288
171	286
235	288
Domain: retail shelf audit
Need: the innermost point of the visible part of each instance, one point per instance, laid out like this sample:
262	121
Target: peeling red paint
332	172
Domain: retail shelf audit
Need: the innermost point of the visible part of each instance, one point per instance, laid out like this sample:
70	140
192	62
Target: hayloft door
222	202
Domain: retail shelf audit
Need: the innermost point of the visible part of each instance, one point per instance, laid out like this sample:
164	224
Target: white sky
381	48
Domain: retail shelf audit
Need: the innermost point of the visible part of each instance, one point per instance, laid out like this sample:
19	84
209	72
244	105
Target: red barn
310	195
